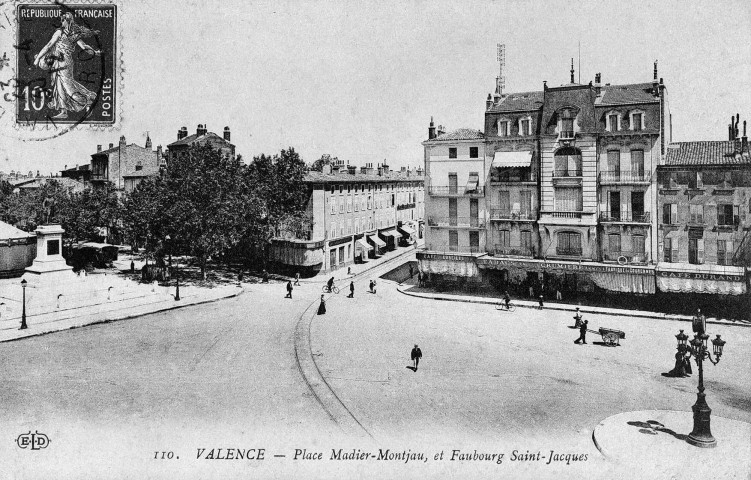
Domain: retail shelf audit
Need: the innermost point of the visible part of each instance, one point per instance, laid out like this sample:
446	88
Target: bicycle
333	289
502	306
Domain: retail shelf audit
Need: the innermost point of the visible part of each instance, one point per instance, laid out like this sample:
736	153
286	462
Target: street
224	374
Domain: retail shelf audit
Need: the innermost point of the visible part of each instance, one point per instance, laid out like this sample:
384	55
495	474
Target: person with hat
416	356
582	333
577	318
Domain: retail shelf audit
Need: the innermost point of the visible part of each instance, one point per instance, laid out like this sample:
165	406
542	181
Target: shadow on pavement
653	427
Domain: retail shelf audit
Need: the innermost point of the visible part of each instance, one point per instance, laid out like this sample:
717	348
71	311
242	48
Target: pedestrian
582	333
419	279
372	286
416	356
577	318
507	299
558	295
132	267
679	370
240	276
265	276
699	322
351	289
540	301
330	284
411	272
322	306
349	270
297	279
289	289
531	292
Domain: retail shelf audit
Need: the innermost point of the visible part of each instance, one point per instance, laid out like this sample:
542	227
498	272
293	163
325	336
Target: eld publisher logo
36	441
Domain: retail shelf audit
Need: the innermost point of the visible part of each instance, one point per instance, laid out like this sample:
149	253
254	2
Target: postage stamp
66	65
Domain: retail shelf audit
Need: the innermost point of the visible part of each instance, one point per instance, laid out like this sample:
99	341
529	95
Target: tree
317	166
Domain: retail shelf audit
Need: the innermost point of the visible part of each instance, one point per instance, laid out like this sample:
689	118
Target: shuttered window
568	199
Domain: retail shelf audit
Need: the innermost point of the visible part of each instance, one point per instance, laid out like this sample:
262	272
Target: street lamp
701	435
23	308
177	277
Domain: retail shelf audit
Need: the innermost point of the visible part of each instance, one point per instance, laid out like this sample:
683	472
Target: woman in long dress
58	57
322	306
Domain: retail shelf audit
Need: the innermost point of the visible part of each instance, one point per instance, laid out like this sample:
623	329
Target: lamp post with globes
701	435
23	307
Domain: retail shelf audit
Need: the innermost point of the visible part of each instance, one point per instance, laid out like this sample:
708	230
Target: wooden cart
611	337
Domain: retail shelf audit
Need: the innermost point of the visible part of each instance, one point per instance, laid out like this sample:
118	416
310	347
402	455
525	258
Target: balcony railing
442	248
615	176
624	217
567	134
571	172
465	222
631	257
451	191
558	214
569	251
500	250
506	214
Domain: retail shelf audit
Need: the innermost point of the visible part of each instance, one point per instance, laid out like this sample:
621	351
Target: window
341	230
452	152
474	240
727	214
567	163
341	204
696	212
333	230
637	121
349	203
670	214
452	211
569	243
614	163
568	199
504	201
612	121
637	164
637	206
696	251
333	205
453	183
525	197
357	203
614	244
526	242
503	128
724	252
669	254
504	238
473	152
567	124
524	127
637	244
357	225
453	240
341	187
139	167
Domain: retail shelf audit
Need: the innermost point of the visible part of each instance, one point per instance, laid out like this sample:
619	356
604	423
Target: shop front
379	246
690	278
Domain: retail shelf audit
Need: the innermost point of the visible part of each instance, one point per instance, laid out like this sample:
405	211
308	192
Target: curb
555	306
126	317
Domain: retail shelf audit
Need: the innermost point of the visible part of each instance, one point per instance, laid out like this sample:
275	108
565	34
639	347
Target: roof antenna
572	69
580	61
500	82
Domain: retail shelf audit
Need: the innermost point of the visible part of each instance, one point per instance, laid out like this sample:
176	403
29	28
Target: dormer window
613	121
567	124
637	120
503	128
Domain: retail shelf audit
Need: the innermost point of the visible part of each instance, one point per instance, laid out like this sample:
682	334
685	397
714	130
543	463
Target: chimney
148	141
403	169
431	130
226	134
351	169
496	98
489	102
112	145
737	121
380	170
441	130
182	133
200	130
655	89
326	169
122	141
598	84
744	140
159	153
385	167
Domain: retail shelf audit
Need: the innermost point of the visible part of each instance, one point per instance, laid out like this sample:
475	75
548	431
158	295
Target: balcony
505	250
571	172
456	222
557	214
567	135
442	248
444	191
569	251
511	215
625	257
624	217
614	177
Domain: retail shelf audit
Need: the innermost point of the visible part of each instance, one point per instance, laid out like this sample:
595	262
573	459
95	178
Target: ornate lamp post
177	278
701	435
23	308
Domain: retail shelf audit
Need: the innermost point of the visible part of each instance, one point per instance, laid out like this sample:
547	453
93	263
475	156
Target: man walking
351	290
582	333
289	289
416	356
540	301
297	279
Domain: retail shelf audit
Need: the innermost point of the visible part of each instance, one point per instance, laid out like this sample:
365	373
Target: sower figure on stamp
58	56
582	333
416	356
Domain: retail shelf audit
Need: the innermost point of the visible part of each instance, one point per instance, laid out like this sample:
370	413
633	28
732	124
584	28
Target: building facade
354	215
569	184
704	206
125	165
201	137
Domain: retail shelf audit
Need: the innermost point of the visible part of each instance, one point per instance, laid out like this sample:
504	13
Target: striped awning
512	159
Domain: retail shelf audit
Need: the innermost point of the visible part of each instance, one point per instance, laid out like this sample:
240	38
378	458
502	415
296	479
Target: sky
361	80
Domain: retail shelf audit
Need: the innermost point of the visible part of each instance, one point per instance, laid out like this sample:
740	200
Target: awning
392	233
689	278
472	182
407	230
377	241
361	243
512	159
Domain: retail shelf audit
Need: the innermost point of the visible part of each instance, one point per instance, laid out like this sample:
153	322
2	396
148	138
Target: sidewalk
652	444
160	300
408	290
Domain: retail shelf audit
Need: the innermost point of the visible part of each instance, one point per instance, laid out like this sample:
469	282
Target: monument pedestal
49	267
